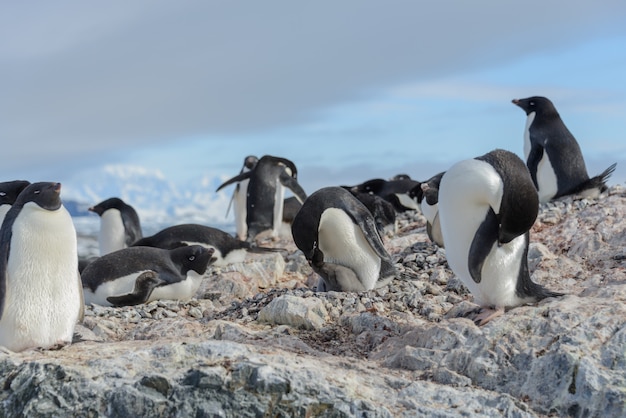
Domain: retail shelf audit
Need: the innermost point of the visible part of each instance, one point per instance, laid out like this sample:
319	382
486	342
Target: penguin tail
598	182
264	250
536	291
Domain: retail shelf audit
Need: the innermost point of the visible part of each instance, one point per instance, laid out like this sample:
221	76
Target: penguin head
112	203
537	104
250	162
193	257
46	195
9	190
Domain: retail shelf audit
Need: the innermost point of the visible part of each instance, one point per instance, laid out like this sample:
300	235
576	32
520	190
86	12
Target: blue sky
348	90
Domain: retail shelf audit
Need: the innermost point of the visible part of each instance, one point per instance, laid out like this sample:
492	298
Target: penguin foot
485	315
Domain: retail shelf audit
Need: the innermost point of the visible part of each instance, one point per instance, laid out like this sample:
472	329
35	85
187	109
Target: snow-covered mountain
158	201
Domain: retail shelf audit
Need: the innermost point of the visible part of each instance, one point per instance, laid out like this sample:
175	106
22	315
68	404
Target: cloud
84	80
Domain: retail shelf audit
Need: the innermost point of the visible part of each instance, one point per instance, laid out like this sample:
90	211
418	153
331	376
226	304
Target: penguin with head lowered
240	197
265	196
143	274
9	190
487	206
40	291
553	155
338	236
119	225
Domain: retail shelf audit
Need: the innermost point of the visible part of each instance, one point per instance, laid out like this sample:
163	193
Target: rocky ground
257	341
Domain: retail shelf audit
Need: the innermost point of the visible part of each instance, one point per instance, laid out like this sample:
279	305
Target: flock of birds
480	210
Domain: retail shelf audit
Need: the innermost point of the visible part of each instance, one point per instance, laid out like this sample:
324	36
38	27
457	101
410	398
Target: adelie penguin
143	274
338	236
426	194
40	292
396	191
553	155
266	189
487	206
228	249
9	190
119	225
239	198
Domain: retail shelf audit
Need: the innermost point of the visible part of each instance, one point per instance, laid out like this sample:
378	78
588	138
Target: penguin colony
480	211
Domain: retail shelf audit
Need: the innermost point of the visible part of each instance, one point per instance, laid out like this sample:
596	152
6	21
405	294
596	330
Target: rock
296	312
257	341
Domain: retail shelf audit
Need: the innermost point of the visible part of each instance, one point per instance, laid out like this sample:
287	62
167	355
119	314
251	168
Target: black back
175	236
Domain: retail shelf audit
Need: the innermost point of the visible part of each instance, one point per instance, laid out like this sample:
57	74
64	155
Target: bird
487	206
40	290
395	191
553	155
338	236
239	198
265	193
119	225
427	196
9	190
135	275
227	249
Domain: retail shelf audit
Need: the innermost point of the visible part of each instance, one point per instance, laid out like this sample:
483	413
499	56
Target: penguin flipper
291	183
144	285
4	261
486	235
534	157
236	179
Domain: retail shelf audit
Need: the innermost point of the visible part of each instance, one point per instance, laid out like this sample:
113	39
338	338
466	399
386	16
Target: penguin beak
57	188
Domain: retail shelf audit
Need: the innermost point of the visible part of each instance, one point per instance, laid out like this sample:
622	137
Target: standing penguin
266	190
40	290
119	225
487	206
427	196
553	155
239	198
9	190
338	236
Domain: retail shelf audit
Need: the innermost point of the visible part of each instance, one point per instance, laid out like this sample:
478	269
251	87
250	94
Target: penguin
383	211
238	199
395	191
487	206
228	249
40	292
9	190
265	195
119	225
337	235
291	206
427	196
135	275
553	155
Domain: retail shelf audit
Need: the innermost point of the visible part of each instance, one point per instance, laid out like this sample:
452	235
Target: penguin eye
3	194
192	257
37	191
532	103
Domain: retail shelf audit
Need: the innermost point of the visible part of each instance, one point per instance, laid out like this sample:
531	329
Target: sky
348	90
